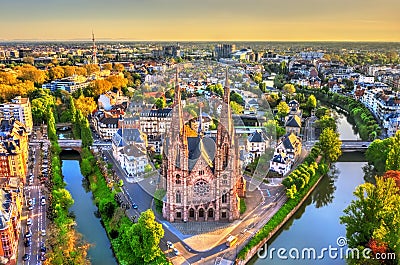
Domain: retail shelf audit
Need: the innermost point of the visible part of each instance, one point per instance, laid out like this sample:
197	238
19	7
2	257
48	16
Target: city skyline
179	20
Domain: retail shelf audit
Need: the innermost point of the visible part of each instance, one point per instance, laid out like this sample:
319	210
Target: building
202	183
392	123
224	50
11	199
154	122
286	153
280	164
256	144
293	125
20	109
70	84
106	126
13	150
126	137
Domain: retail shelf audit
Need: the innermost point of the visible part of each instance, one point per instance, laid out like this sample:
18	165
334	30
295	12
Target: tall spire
177	122
94	50
226	88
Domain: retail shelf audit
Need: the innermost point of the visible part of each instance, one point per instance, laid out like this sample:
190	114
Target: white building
256	144
20	109
392	124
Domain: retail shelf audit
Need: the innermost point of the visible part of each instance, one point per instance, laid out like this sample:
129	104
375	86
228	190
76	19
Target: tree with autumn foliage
86	105
393	174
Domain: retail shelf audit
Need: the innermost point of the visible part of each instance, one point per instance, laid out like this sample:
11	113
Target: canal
316	224
84	209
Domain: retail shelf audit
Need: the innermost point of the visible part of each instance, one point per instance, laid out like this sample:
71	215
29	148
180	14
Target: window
201	188
201	172
178	197
224	179
223	215
224	197
191	213
178	179
178	215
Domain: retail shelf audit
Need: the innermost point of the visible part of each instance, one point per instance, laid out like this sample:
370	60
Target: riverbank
285	212
366	124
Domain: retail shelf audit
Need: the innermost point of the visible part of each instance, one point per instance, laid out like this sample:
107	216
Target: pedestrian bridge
354	145
68	144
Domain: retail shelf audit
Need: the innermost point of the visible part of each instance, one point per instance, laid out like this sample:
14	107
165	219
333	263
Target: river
88	224
316	224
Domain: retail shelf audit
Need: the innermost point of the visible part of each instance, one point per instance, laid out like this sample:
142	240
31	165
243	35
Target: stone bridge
354	145
68	144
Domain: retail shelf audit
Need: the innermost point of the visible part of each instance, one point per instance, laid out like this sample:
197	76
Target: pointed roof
293	121
257	137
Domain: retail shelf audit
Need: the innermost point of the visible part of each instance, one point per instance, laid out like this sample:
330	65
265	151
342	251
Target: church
201	175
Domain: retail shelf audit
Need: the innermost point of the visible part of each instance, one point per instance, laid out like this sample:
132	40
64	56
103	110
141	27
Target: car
29	221
43	232
27	243
43	249
30	202
26	257
134	206
169	244
176	251
30	208
28	234
43	201
42	257
33	201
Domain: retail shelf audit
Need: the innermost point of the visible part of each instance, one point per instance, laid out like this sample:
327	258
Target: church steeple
178	124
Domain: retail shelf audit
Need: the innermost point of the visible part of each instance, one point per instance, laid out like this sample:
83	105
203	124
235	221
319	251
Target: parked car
169	244
43	232
27	243
134	206
26	257
28	234
29	221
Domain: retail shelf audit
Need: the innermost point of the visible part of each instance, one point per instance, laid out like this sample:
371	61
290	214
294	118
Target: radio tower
94	50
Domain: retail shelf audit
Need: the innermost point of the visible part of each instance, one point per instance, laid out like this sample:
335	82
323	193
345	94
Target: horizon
208	20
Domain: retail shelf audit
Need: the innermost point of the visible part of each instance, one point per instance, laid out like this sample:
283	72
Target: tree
283	109
31	73
86	167
393	174
107	66
236	108
393	158
289	88
377	153
119	67
86	105
56	73
98	87
374	215
311	102
236	98
327	122
117	81
143	238
160	103
92	68
330	145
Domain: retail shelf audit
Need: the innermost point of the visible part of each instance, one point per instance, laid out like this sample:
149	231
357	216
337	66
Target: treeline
384	154
66	244
133	243
365	123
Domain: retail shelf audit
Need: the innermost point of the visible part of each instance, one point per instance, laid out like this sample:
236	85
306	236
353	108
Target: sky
201	20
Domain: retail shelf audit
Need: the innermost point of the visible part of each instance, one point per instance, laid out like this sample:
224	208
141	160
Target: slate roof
257	137
294	121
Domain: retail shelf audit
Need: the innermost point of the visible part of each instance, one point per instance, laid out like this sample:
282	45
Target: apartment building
20	109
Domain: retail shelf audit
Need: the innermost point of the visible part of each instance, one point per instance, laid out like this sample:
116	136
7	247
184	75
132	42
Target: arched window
224	179
224	197
178	179
178	197
191	213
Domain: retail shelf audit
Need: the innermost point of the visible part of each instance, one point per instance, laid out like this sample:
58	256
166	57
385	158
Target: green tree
160	103
311	102
326	122
330	145
283	109
374	215
86	167
289	88
377	153
393	158
236	98
236	108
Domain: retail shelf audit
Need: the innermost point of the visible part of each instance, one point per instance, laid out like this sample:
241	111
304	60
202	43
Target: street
33	192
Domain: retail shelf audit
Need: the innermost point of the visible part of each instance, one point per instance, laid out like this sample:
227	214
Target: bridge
354	145
63	125
68	144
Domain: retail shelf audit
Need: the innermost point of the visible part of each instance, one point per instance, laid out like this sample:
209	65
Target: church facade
201	175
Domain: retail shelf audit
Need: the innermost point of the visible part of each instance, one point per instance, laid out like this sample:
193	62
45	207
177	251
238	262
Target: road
34	191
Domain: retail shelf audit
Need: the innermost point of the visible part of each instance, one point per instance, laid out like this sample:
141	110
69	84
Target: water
84	208
316	224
